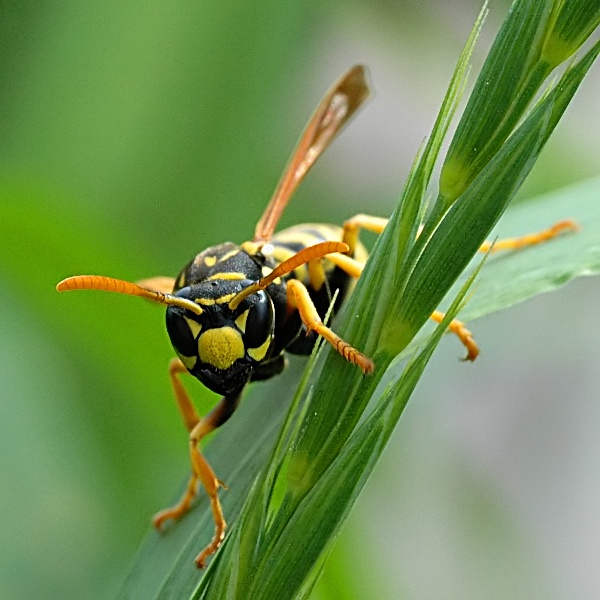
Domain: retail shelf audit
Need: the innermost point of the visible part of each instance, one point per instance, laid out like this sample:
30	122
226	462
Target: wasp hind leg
531	239
352	227
201	470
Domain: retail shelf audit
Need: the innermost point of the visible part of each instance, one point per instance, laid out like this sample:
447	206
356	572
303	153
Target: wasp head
222	346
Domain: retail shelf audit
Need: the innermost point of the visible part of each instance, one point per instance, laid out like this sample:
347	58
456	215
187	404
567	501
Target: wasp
234	310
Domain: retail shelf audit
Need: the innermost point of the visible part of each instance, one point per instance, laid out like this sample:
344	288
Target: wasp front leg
201	470
299	298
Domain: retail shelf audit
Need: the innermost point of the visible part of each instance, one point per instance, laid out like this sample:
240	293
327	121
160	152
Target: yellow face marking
232	276
194	326
188	361
228	255
210	261
241	321
220	347
260	352
211	301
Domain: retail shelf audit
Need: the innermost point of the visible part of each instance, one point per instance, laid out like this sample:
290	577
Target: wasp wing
161	284
336	108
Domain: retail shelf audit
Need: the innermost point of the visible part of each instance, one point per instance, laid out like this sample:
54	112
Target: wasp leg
349	265
316	274
459	329
299	298
531	239
353	226
201	470
354	268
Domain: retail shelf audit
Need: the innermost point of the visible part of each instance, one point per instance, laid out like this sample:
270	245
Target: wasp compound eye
259	324
258	330
182	330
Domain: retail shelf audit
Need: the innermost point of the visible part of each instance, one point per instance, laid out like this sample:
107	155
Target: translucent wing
338	105
161	284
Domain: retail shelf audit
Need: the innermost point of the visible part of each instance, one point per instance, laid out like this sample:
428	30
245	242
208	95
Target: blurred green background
135	134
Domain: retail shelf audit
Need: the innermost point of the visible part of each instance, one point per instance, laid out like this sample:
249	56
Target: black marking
259	324
179	331
198	271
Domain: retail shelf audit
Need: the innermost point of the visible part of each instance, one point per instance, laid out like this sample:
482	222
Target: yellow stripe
228	255
250	248
211	301
194	326
241	321
259	353
281	253
231	276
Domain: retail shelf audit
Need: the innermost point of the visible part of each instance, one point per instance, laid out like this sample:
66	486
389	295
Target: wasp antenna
287	266
118	286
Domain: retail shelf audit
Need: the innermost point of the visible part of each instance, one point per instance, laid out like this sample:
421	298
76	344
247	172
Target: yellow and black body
234	311
227	348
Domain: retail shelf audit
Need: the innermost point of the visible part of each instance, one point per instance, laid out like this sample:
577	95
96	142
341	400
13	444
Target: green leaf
510	79
286	518
164	567
511	277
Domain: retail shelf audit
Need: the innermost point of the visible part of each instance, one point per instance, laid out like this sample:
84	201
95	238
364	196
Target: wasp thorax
221	346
